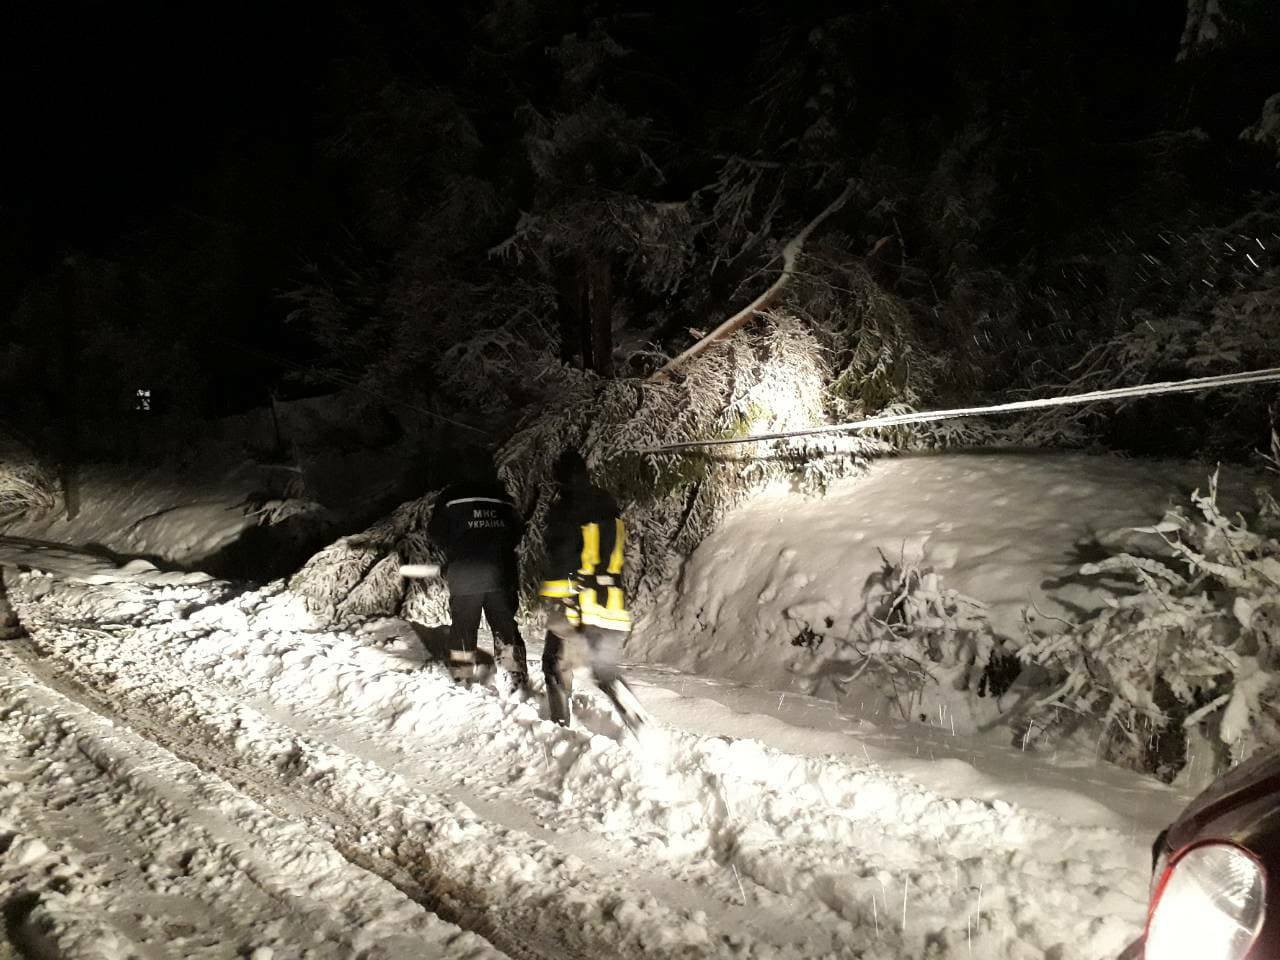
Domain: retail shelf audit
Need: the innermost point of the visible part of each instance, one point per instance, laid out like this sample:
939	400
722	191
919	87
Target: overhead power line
1270	375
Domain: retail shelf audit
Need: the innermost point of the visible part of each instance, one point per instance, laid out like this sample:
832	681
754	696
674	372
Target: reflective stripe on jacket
477	527
585	538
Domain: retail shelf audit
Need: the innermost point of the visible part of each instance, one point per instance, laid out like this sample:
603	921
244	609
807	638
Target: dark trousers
499	608
568	647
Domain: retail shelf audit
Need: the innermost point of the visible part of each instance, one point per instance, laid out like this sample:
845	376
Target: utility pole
70	406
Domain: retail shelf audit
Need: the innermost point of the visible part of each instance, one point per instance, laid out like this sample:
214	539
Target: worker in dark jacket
588	618
477	527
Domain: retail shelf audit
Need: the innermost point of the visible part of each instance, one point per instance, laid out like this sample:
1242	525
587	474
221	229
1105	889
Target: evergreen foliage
27	486
359	576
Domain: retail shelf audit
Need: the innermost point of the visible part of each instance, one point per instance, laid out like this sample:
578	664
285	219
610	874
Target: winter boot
518	686
624	701
462	666
558	698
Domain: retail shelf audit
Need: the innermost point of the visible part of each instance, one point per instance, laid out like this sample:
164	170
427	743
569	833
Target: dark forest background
425	205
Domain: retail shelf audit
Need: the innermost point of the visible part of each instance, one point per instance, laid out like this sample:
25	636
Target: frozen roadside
1078	789
773	596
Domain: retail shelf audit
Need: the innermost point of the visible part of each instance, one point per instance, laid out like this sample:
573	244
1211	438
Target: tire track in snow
519	893
829	841
652	888
173	836
705	886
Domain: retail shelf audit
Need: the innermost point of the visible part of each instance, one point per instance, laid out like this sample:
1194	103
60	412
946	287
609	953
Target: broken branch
790	254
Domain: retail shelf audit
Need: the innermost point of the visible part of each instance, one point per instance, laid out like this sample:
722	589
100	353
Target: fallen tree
790	256
1184	654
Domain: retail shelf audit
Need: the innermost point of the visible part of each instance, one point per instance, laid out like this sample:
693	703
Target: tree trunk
70	390
568	308
586	311
790	254
1203	26
599	278
10	629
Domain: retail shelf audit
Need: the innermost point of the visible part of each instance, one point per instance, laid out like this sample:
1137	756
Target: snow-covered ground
140	513
250	495
187	772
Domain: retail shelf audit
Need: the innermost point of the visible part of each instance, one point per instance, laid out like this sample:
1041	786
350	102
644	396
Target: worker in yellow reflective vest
587	619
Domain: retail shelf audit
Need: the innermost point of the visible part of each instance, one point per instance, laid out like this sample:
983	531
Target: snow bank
150	513
79	566
770	598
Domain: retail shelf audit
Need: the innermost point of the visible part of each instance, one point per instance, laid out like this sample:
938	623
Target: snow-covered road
187	775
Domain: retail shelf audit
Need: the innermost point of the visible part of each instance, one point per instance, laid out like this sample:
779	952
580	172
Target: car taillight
1209	906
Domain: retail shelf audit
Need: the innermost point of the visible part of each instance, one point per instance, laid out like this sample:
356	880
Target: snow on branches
916	648
1203	26
772	380
26	485
359	576
915	634
1267	130
1189	644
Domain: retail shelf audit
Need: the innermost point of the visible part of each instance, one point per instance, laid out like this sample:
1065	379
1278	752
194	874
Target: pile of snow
772	597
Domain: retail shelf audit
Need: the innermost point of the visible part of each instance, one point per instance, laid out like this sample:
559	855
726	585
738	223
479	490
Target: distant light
142	400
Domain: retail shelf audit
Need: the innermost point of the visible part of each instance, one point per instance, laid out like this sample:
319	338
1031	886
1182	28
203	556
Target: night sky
211	158
124	110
